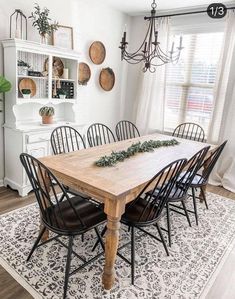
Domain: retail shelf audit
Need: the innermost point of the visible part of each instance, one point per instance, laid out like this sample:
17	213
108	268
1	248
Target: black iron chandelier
150	52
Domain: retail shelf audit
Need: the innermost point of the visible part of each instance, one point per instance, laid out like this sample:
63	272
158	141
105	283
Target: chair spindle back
66	139
190	131
126	130
99	134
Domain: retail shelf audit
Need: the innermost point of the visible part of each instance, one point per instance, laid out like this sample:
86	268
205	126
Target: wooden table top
77	169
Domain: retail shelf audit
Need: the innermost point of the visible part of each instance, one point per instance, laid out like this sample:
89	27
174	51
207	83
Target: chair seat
69	213
133	212
198	181
176	194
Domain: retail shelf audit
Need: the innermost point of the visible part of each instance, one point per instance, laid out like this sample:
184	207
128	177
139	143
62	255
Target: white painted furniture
23	129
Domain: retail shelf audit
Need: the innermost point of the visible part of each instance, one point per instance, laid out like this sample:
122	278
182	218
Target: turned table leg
45	236
114	209
111	246
201	197
203	188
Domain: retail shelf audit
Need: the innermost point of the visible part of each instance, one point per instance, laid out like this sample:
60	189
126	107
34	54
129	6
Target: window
190	83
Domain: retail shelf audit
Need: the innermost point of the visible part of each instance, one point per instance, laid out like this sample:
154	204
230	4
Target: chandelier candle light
150	52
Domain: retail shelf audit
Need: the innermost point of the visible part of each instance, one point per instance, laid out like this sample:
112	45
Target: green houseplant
26	93
42	22
61	93
47	114
5	86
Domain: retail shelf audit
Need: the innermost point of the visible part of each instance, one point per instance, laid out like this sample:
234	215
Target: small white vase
22	70
26	96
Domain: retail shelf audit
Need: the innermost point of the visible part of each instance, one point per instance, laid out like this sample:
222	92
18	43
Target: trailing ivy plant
5	86
146	146
42	21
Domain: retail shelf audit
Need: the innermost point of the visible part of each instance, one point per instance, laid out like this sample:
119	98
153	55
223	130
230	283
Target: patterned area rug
194	257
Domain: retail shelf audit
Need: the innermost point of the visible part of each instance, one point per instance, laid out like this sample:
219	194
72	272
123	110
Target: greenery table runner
146	146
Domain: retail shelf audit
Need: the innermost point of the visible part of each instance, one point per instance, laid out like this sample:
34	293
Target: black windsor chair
202	177
60	213
179	192
147	209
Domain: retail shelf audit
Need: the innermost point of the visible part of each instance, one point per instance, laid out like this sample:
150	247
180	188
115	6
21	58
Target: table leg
203	188
114	209
45	236
201	198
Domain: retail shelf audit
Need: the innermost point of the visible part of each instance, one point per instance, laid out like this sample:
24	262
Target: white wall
91	20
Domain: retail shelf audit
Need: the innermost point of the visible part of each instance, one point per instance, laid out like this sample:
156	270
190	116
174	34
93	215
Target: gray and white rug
196	254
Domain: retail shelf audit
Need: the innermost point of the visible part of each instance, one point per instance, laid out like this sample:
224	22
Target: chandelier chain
154	5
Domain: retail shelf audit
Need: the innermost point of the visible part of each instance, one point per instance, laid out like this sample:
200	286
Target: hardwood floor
9	288
10	200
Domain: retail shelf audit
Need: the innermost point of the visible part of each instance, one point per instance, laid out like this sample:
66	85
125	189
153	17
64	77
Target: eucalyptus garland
146	146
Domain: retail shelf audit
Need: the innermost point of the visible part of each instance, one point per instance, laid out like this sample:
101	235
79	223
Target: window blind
190	83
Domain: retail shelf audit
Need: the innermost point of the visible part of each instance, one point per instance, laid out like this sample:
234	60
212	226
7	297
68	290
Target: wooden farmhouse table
117	185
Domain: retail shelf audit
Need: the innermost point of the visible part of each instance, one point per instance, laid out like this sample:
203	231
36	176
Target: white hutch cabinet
23	129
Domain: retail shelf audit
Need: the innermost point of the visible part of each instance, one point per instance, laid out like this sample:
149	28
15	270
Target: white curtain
151	89
223	120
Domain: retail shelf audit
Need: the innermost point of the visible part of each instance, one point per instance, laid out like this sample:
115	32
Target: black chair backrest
126	130
163	183
49	200
98	134
190	131
188	175
210	162
66	139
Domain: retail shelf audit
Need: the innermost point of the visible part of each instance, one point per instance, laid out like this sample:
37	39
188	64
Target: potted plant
23	68
26	93
61	93
5	86
42	22
47	114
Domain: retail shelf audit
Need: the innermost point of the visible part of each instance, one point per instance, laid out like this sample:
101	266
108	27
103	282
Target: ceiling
136	7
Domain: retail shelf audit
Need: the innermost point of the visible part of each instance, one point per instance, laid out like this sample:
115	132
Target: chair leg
195	205
36	243
82	236
162	238
67	268
97	242
186	213
99	238
132	255
204	197
168	223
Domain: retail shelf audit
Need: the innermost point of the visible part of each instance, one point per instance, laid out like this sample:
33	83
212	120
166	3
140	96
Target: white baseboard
1	183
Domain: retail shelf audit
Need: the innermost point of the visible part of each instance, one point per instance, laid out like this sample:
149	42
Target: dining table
117	185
